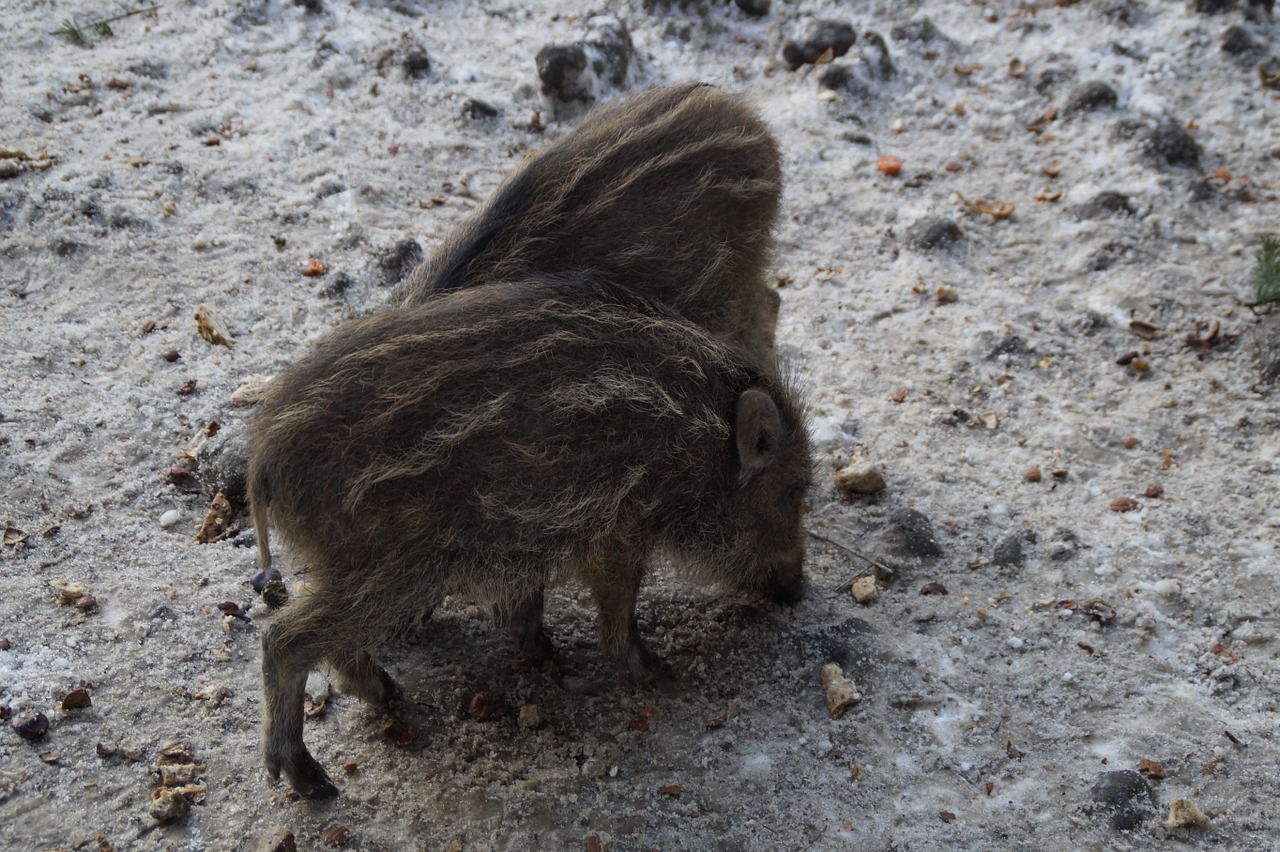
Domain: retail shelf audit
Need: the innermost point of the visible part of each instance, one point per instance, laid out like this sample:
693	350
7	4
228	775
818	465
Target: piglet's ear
759	429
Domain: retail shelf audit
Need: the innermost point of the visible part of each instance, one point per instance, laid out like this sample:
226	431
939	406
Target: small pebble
823	36
171	355
530	718
170	518
864	590
31	725
1016	643
860	478
1089	97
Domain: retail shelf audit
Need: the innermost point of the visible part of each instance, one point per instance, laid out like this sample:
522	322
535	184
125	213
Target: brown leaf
398	732
1228	656
995	209
947	816
1045	119
1124	504
1150	767
314	267
1145	330
13	536
671	790
313	709
210	329
77	699
1017	68
487	706
933	589
336	835
1049	195
216	521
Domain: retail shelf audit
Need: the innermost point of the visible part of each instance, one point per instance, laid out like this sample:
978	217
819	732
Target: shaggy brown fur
493	439
674	191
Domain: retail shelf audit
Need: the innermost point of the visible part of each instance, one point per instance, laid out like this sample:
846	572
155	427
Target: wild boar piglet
674	190
501	437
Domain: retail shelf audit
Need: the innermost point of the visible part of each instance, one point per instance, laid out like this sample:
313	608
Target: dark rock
9	206
1107	256
1010	344
560	68
1237	41
823	35
933	233
1062	545
857	138
1011	551
912	533
874	57
572	74
1172	146
1089	97
150	70
222	461
1259	10
337	285
1127	129
254	14
333	187
1105	203
416	63
755	8
921	29
847	79
1212	7
399	261
31	725
312	7
66	247
1124	797
1124	12
1052	78
121	219
610	49
477	110
1202	190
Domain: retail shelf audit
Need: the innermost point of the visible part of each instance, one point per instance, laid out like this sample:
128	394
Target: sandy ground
1085	668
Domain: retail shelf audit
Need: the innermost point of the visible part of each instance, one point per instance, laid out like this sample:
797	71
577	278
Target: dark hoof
309	780
645	669
789	594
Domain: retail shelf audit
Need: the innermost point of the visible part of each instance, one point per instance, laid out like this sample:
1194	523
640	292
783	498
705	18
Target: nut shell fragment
168	805
840	692
1185	814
